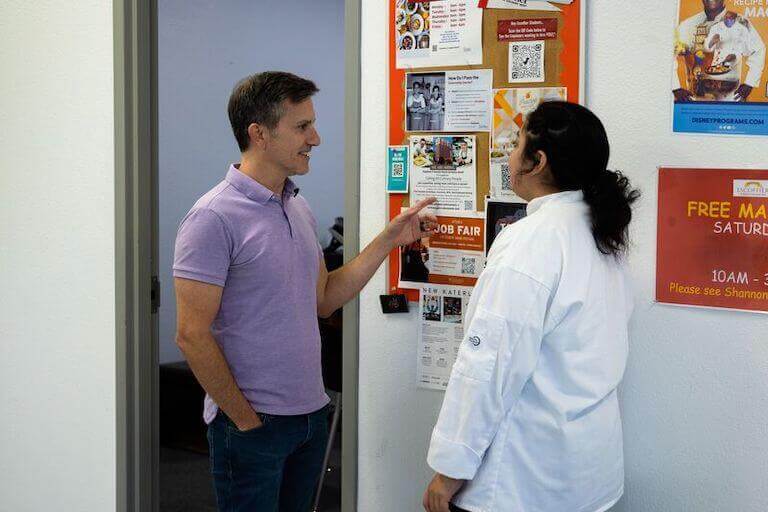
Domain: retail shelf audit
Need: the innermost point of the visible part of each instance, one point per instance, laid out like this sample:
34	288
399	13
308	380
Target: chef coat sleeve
755	57
498	354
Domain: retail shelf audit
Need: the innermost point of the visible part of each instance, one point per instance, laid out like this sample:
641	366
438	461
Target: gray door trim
135	261
350	351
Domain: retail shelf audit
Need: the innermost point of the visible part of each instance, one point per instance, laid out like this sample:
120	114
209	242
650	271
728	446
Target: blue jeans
274	468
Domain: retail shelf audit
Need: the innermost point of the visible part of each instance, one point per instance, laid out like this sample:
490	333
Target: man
250	282
701	38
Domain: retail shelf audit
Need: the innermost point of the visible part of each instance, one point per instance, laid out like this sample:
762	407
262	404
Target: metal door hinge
155	294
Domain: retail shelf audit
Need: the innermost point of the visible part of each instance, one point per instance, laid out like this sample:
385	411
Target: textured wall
57	291
695	397
205	47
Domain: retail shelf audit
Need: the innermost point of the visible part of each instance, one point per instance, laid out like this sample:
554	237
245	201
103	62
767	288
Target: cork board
563	62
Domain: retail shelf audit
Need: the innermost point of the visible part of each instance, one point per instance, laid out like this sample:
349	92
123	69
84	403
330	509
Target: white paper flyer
441	319
449	101
438	33
444	167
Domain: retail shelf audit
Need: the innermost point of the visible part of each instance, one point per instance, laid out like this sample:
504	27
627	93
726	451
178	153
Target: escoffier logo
750	188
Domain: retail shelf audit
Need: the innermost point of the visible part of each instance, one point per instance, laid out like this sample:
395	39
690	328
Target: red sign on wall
527	30
712	247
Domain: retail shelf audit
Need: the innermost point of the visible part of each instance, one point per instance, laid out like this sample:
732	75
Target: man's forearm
212	371
346	282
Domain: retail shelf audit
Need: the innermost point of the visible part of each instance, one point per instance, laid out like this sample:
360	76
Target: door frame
136	225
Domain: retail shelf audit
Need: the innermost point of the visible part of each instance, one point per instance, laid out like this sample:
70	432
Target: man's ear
256	133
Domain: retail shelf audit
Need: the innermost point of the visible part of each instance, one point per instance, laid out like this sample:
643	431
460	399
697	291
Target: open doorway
176	64
203	48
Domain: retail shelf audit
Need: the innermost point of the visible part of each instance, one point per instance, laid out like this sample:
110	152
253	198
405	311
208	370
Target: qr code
397	170
468	266
468	205
526	61
506	178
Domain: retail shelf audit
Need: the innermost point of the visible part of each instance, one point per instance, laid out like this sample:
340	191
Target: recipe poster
719	77
453	255
441	320
438	33
713	238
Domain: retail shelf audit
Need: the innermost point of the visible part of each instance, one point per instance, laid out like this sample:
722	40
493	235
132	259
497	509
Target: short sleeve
203	248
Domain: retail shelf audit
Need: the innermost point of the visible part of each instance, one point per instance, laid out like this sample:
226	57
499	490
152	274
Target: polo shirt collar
254	190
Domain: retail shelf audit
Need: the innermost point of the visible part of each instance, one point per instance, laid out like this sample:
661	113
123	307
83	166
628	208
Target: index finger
420	205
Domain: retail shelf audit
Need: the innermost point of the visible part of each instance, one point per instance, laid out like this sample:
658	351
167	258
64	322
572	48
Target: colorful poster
453	255
441	320
712	247
498	215
438	33
451	101
510	108
397	169
719	79
444	167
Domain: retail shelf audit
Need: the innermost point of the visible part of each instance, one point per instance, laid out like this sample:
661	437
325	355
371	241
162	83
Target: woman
435	110
530	419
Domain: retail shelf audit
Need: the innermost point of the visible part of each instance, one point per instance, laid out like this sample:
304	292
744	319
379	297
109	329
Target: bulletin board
564	67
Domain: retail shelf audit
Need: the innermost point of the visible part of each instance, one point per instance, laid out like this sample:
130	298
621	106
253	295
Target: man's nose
314	138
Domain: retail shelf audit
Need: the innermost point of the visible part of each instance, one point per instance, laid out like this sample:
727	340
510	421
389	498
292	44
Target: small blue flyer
397	169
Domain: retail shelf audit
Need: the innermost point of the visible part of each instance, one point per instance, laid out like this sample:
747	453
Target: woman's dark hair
577	150
259	99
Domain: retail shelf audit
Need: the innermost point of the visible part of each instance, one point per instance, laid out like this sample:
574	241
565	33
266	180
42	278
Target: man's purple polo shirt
263	251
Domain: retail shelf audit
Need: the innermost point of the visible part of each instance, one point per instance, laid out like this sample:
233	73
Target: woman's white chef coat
530	417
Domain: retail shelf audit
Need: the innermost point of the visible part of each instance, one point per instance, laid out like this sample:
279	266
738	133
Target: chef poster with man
719	78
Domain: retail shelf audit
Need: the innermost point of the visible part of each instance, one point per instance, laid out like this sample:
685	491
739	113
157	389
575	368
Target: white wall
205	47
695	397
57	329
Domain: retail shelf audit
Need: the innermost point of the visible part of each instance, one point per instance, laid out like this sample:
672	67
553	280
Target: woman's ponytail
610	199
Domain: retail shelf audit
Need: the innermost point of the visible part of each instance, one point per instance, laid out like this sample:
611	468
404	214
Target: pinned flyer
524	5
438	33
498	215
452	255
441	330
444	167
397	169
449	101
527	29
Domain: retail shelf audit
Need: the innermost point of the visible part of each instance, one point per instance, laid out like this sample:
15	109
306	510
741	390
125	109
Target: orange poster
453	256
713	238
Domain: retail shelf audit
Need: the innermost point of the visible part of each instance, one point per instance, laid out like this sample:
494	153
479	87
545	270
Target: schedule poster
438	33
719	78
712	247
441	319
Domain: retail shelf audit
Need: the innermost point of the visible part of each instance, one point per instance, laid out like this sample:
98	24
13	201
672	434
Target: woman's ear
540	164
